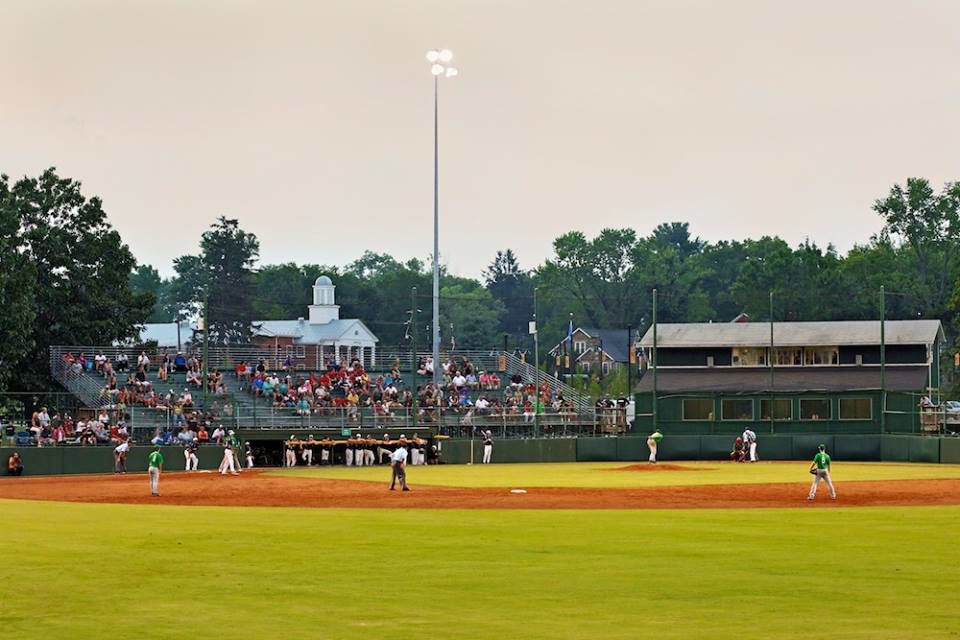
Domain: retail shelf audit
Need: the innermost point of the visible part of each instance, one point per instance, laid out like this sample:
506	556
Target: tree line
67	278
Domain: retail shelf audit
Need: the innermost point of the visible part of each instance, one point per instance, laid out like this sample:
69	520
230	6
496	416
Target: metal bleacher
239	408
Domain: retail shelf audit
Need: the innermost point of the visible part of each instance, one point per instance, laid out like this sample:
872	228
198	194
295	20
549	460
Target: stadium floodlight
439	60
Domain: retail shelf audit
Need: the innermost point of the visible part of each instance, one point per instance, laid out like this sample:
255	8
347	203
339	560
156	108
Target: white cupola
324	308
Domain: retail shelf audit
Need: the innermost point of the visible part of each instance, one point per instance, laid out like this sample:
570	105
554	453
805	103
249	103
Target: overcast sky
311	121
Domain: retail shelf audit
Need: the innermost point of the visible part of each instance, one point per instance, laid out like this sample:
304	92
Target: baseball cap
821	446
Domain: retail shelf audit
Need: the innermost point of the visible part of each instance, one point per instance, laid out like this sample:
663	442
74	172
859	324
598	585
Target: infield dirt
261	489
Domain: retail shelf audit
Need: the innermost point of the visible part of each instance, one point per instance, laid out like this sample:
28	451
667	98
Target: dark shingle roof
790	334
614	341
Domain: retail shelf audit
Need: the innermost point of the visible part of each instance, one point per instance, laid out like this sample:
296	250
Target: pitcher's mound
654	467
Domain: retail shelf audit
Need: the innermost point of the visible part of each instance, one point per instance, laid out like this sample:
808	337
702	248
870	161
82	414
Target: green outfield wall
842	447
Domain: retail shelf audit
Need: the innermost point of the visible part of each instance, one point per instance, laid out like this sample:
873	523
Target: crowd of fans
349	389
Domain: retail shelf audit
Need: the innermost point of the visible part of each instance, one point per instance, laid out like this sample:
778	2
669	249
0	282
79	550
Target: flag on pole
570	333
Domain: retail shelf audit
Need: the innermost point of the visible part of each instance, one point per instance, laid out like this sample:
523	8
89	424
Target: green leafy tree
145	279
283	291
470	313
81	292
17	277
222	276
927	223
513	288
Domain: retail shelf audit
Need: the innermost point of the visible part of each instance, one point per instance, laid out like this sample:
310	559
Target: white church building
313	341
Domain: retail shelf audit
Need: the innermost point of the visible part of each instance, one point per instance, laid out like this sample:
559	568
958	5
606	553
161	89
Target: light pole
439	60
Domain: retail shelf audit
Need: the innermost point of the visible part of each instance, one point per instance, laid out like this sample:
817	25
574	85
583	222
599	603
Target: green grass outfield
150	571
599	474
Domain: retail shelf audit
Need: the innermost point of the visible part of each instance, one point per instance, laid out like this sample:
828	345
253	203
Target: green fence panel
805	445
950	450
91	460
561	450
925	449
716	447
774	447
679	448
596	449
632	448
895	448
856	447
458	451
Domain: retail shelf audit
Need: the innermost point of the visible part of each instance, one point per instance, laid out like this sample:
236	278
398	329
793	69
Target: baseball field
605	550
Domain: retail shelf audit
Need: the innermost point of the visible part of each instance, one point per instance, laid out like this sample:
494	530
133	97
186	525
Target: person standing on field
820	468
398	465
120	457
487	446
190	455
154	467
228	464
248	453
653	440
290	452
750	442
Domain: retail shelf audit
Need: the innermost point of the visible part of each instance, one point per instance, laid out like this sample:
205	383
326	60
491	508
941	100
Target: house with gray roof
313	341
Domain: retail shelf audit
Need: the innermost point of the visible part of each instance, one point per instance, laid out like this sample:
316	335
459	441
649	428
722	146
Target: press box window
782	409
698	409
856	409
814	409
736	409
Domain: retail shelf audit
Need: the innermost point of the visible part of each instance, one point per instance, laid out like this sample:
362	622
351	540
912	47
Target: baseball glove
813	472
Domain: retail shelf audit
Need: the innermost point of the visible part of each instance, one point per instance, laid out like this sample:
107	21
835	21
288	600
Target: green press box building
814	377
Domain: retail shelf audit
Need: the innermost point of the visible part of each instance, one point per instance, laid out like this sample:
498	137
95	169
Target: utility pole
206	344
770	363
413	351
883	359
653	360
536	366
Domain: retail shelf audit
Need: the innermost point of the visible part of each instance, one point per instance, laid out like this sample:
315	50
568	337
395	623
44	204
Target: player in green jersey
820	468
154	466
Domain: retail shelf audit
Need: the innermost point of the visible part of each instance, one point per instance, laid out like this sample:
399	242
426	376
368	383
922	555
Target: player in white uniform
487	446
750	441
652	441
228	464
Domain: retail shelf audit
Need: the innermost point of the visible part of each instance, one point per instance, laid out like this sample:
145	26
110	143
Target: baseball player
120	457
325	446
228	464
369	456
190	455
248	454
750	443
154	467
307	453
820	468
234	443
348	454
738	454
359	457
487	446
398	465
653	440
290	452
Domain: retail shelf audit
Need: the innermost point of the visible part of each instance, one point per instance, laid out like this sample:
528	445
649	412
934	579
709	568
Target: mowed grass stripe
85	571
604	474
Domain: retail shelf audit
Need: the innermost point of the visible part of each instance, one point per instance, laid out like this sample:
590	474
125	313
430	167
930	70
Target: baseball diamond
566	562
